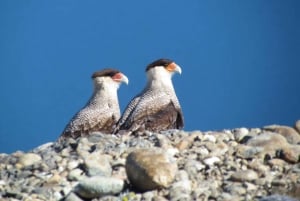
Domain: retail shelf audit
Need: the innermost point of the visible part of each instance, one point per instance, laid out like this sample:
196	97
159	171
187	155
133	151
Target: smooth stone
291	154
291	135
211	161
276	162
193	167
267	143
180	190
98	164
268	140
187	142
29	159
163	141
75	175
97	186
236	189
72	197
149	169
54	179
277	198
244	175
248	152
240	133
297	126
210	138
72	165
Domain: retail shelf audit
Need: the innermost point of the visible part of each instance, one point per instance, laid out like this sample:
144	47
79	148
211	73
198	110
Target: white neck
160	79
105	89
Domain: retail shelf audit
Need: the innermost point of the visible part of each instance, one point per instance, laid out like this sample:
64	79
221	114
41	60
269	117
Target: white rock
209	138
211	161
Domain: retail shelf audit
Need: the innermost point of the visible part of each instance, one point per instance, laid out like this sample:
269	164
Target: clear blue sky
240	60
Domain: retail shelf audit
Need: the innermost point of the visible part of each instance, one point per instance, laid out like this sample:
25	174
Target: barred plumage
156	108
102	110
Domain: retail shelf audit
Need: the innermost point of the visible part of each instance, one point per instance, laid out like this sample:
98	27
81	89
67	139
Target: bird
102	111
156	108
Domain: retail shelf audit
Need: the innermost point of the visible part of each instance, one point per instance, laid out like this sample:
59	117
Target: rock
248	152
266	143
149	169
209	138
297	126
72	197
193	167
98	164
244	175
29	159
290	154
291	135
211	161
277	198
232	165
240	133
180	190
54	179
187	142
268	140
97	186
75	175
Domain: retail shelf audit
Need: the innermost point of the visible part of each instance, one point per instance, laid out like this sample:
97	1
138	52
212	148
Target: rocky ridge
259	164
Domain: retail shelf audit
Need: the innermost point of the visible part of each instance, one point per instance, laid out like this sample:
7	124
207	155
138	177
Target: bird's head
162	68
109	76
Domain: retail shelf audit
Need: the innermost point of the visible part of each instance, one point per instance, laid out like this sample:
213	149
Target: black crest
107	72
159	62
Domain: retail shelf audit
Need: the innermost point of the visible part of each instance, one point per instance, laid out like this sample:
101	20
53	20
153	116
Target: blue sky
240	60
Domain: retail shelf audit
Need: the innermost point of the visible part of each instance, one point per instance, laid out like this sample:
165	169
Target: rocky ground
258	164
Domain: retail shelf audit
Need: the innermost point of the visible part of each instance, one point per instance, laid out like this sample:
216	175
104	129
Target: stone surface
297	126
290	154
239	164
149	169
29	159
98	164
291	135
97	186
244	175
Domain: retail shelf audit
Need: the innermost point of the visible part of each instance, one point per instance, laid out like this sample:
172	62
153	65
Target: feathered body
156	108
102	111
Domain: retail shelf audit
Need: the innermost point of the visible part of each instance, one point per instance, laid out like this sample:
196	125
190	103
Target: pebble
244	175
297	126
29	159
98	164
211	161
290	154
149	169
240	133
94	187
291	135
238	164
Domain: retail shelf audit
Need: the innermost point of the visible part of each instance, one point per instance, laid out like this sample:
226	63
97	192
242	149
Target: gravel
255	164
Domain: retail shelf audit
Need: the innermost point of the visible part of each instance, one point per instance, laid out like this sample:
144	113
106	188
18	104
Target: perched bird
102	110
156	108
